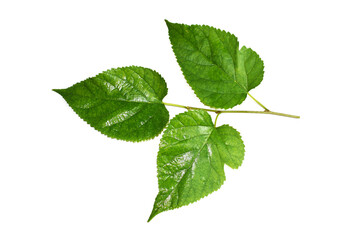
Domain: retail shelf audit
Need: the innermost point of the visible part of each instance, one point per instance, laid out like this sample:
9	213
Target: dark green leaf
191	159
219	73
123	103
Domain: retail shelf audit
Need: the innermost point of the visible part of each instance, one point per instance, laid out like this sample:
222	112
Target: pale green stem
258	102
217	115
232	111
175	105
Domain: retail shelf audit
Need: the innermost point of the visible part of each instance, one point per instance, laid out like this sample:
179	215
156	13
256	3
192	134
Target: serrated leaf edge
263	71
109	136
152	215
182	71
242	160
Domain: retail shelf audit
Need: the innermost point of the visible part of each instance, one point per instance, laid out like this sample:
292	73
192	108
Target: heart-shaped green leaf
220	74
123	103
191	159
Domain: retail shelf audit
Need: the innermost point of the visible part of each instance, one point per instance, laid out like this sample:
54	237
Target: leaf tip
168	23
59	91
152	215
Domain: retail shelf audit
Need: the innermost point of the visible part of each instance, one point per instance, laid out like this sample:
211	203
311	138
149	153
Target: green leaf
219	73
250	68
191	159
123	103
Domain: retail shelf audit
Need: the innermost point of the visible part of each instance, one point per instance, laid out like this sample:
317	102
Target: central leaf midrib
116	99
128	116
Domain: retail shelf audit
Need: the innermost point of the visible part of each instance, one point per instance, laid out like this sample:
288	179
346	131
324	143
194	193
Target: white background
60	179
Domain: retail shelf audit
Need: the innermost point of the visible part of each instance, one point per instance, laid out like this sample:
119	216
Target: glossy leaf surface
191	159
219	73
123	103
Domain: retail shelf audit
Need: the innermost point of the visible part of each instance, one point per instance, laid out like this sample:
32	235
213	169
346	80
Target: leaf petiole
266	109
217	115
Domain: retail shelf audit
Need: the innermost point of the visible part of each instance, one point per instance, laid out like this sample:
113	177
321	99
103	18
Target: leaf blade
233	148
250	68
220	74
191	159
123	103
207	56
